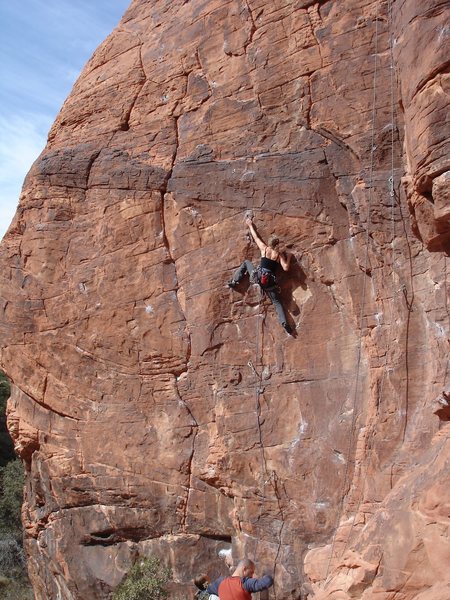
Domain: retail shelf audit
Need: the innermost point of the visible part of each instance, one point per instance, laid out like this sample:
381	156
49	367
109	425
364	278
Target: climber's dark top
268	263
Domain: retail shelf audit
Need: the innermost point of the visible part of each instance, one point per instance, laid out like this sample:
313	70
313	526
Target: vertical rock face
156	411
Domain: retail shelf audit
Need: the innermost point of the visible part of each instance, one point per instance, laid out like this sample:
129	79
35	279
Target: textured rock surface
143	387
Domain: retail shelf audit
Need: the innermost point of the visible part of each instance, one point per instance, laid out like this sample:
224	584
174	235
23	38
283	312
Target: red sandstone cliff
158	411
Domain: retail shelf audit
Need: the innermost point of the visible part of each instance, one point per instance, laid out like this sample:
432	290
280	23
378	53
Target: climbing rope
266	477
446	306
361	315
391	188
392	194
258	390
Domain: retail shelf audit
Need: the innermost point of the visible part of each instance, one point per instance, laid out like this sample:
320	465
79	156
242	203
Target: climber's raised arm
261	245
285	260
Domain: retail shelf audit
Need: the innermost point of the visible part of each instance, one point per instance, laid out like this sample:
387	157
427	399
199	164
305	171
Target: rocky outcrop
422	59
157	411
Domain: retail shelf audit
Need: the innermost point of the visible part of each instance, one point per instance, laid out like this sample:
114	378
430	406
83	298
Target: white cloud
22	140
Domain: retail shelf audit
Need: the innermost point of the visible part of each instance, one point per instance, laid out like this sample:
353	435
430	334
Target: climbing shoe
232	284
287	328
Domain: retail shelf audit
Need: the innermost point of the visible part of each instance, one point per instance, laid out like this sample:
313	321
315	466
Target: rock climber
241	584
265	274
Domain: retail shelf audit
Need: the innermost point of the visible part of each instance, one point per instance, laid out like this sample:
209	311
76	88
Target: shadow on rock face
291	281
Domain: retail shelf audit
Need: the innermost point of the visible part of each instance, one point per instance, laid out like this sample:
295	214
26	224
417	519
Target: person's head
245	568
273	241
202	582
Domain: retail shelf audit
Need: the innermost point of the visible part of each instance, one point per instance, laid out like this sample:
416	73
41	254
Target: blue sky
44	45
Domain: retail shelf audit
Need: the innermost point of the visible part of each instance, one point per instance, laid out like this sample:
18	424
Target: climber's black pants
247	267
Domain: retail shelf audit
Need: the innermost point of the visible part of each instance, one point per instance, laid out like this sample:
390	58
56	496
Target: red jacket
237	588
231	588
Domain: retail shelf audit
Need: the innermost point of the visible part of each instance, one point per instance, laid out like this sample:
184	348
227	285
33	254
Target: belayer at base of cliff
241	584
265	273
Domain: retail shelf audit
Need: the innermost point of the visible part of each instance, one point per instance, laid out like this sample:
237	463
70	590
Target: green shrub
6	445
146	580
12	559
14	583
11	496
15	589
5	389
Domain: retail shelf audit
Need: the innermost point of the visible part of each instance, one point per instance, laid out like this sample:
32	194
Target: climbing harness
265	278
